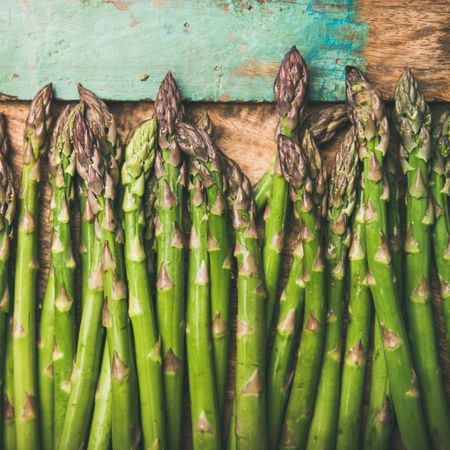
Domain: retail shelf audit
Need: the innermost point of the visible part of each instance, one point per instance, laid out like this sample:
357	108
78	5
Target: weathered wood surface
245	132
219	50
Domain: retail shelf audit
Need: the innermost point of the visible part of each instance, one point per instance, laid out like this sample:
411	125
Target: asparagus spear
219	249
341	202
61	171
202	385
380	417
205	157
7	212
369	119
149	205
286	332
303	168
24	322
440	190
323	126
290	94
91	333
8	414
100	434
394	223
99	172
139	158
357	339
250	426
413	121
45	363
170	172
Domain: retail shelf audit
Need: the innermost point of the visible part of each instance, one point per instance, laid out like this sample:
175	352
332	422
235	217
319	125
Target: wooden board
219	50
246	133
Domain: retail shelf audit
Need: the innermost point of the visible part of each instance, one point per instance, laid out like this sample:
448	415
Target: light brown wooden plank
414	33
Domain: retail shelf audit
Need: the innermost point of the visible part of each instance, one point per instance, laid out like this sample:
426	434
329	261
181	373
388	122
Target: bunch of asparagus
109	371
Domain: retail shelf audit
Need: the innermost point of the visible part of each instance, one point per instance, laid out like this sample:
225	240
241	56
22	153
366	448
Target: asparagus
150	194
7	212
101	176
323	126
303	168
341	202
24	322
100	435
357	339
394	223
282	352
8	414
380	418
202	386
440	190
45	363
170	172
219	249
290	94
370	122
413	121
250	427
136	170
261	190
91	333
61	171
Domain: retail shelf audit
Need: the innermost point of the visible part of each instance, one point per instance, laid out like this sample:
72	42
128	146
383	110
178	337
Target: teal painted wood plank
217	50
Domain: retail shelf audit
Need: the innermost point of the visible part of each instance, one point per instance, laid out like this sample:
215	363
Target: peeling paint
217	50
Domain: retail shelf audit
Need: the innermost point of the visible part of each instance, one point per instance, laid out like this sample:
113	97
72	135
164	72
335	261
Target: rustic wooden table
224	55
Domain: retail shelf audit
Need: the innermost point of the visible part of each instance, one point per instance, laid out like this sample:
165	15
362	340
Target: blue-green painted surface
217	50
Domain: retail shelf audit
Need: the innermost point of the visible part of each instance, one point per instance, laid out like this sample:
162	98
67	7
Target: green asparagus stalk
413	121
8	413
150	195
24	322
306	174
250	426
84	377
100	173
261	190
202	383
136	170
61	171
323	126
341	202
45	363
290	94
7	212
170	171
380	422
357	339
370	122
440	190
219	249
100	434
205	157
280	369
394	223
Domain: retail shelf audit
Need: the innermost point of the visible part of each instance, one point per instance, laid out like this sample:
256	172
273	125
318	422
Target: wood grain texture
414	33
246	133
218	49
